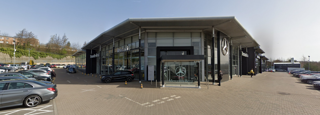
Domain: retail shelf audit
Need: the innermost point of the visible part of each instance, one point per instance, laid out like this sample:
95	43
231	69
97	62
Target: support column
212	57
113	66
139	54
218	57
162	77
240	61
231	60
198	63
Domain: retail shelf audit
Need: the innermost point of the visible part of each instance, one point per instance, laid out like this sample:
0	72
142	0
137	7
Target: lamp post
309	62
14	51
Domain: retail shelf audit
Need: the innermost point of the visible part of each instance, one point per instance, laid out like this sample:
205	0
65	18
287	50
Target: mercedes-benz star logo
224	46
180	71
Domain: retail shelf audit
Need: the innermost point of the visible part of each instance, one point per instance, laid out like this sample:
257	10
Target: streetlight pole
14	51
309	62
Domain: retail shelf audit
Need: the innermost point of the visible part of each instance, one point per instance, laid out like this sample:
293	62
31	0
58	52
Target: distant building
283	66
9	40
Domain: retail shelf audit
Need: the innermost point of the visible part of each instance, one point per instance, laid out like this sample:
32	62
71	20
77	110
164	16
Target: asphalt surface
268	93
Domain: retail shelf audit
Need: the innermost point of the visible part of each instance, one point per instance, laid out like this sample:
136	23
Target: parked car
297	74
15	66
53	66
118	76
29	93
48	69
271	70
2	70
11	78
5	68
40	72
47	65
15	75
59	66
71	70
37	76
309	78
316	84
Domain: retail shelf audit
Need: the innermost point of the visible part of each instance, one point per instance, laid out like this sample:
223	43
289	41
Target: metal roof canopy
227	25
78	53
259	50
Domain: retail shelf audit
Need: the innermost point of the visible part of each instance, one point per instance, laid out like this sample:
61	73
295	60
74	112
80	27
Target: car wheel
309	82
32	101
107	80
129	79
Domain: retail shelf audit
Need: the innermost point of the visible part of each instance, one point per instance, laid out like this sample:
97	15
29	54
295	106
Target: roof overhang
78	53
228	25
264	58
259	50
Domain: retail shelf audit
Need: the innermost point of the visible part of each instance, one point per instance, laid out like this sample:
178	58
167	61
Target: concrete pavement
268	93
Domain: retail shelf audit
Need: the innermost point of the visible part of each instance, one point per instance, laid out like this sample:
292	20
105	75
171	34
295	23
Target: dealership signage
258	57
245	54
94	56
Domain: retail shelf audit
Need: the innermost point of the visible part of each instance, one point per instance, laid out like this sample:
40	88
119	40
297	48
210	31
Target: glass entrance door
180	73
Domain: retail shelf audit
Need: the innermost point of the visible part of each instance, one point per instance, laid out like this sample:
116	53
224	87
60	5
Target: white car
2	70
59	66
15	66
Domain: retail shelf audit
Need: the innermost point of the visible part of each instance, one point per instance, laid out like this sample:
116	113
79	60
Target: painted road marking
68	81
99	86
165	98
33	111
86	90
157	101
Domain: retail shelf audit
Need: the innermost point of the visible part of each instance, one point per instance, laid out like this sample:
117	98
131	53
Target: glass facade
80	61
171	39
126	56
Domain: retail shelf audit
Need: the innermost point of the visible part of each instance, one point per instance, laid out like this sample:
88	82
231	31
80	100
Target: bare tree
58	44
76	46
26	38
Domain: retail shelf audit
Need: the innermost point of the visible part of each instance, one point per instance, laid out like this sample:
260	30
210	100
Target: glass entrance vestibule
180	71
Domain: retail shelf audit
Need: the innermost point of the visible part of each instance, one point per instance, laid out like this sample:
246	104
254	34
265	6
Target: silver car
25	92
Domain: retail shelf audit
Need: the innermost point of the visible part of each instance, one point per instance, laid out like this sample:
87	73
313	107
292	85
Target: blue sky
283	28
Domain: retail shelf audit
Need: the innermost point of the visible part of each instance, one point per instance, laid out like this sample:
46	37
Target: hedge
34	54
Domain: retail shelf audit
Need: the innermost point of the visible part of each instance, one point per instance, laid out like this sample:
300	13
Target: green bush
34	54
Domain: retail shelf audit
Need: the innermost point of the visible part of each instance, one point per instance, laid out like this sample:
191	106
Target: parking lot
266	93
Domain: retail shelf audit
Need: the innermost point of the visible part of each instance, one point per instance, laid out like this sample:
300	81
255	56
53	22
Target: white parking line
68	81
33	111
99	86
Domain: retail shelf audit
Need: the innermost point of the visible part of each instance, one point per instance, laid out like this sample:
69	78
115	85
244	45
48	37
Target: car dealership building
174	51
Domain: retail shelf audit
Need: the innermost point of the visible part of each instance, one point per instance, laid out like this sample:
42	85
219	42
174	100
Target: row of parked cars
27	87
307	76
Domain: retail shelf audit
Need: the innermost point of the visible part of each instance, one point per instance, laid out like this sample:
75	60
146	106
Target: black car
71	70
118	76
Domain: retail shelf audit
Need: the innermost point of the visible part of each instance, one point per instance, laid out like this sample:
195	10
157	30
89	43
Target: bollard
92	74
125	82
141	86
96	75
100	76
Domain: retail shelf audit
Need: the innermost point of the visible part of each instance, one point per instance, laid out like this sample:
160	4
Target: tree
58	43
26	38
68	45
76	46
85	43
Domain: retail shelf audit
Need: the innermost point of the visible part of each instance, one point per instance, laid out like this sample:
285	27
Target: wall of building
5	58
